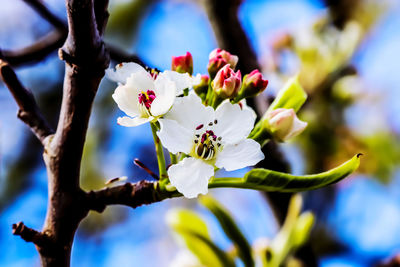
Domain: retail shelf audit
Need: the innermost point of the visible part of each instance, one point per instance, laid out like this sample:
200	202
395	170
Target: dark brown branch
30	235
28	112
101	13
131	195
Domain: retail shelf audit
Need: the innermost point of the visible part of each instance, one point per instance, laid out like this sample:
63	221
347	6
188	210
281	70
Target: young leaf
291	96
267	180
231	229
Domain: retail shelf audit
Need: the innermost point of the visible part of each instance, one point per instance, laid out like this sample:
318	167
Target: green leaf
230	228
291	96
267	180
194	233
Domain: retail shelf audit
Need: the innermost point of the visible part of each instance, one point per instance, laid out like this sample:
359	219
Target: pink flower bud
283	124
183	64
219	58
253	84
227	83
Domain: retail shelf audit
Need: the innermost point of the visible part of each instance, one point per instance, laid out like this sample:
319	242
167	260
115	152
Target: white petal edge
132	122
165	97
123	71
244	154
189	112
182	80
190	176
234	124
174	137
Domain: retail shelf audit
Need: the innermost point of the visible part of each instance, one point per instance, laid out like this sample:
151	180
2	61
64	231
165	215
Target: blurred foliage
324	53
277	252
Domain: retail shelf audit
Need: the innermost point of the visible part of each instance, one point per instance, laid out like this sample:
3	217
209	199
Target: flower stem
162	171
174	158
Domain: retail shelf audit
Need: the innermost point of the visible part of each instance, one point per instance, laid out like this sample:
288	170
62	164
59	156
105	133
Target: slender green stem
162	170
174	158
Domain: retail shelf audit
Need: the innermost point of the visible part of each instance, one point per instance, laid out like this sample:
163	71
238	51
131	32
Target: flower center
146	98
206	144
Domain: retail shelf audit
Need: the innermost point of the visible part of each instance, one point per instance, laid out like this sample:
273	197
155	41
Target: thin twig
30	235
145	168
28	110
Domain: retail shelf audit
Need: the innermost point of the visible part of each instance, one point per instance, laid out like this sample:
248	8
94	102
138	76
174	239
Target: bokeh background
348	60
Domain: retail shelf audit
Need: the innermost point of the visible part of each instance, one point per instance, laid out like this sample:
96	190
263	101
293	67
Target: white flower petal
234	157
126	96
165	97
189	112
174	137
190	176
132	122
123	71
244	106
182	80
196	79
234	124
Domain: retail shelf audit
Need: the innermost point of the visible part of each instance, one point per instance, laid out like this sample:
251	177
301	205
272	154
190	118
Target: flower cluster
204	129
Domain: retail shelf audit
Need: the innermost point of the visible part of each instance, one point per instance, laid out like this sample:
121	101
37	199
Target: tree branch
30	235
28	112
131	195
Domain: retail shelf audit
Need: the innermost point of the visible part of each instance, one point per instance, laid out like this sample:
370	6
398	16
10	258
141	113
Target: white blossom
143	96
212	138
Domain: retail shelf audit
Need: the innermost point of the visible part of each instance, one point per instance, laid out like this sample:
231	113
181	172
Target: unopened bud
227	83
218	58
253	84
283	124
183	64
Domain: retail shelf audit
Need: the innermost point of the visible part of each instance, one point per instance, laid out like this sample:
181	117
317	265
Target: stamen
210	124
215	121
199	127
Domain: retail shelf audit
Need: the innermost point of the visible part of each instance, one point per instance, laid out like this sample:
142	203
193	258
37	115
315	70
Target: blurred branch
119	55
30	235
223	15
229	32
35	52
28	112
45	13
54	40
